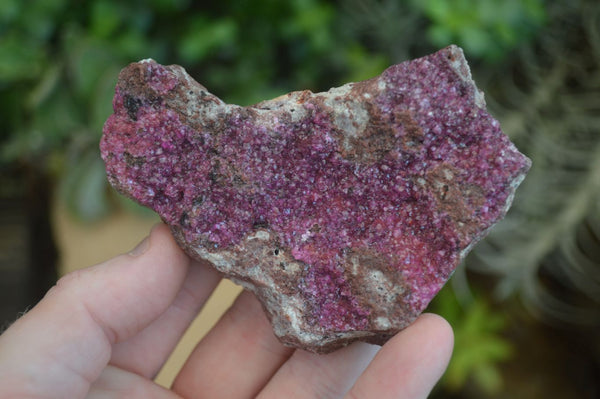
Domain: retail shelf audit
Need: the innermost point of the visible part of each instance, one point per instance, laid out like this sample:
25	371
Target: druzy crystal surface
344	211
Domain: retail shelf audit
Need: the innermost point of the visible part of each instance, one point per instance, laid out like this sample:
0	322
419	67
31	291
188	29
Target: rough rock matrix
345	212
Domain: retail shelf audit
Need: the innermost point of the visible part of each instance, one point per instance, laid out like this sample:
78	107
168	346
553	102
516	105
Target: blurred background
525	306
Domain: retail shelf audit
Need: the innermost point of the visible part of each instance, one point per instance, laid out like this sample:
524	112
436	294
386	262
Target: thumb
61	346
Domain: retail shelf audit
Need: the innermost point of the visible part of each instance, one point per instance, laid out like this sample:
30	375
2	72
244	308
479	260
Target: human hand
105	332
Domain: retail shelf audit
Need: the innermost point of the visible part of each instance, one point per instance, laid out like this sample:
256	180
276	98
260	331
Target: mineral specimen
345	211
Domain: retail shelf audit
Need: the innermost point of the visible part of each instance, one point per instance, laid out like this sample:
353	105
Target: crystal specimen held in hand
345	212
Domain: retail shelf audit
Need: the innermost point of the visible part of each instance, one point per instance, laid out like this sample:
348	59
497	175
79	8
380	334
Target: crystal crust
344	211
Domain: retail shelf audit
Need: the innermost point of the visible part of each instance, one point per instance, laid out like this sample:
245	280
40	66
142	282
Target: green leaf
438	10
88	59
45	86
101	103
204	36
84	188
487	29
105	18
56	118
20	58
364	65
169	6
133	45
440	35
40	18
477	41
479	343
488	378
9	10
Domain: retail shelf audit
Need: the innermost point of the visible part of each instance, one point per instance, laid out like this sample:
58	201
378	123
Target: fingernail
140	248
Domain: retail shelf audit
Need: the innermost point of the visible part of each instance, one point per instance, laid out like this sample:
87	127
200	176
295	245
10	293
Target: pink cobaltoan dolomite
345	212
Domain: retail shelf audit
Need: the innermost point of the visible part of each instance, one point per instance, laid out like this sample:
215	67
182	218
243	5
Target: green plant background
537	61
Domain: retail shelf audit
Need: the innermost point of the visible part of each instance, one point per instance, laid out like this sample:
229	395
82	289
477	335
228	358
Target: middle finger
236	358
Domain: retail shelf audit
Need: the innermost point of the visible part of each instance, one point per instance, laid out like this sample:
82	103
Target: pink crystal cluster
433	173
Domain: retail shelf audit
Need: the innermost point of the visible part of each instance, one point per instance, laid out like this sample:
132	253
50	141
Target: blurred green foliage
484	28
479	345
